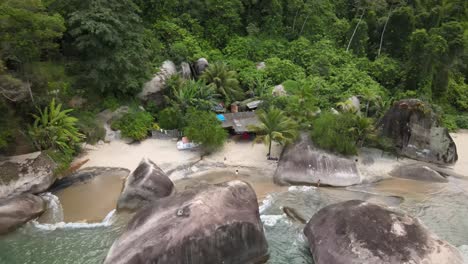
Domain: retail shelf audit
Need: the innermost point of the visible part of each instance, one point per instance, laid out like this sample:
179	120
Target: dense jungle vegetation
322	51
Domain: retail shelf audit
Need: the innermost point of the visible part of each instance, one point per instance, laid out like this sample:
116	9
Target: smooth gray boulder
185	71
206	224
417	134
30	173
16	211
303	164
200	66
152	90
147	183
356	232
418	172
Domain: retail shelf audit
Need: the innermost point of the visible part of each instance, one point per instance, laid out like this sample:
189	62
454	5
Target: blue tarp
221	117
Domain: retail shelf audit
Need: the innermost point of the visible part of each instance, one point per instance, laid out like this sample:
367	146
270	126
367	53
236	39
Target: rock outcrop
185	71
147	183
207	224
152	89
16	211
31	173
356	232
200	66
416	132
418	172
105	119
303	164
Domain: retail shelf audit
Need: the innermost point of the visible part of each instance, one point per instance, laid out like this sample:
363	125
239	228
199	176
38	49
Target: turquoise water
444	212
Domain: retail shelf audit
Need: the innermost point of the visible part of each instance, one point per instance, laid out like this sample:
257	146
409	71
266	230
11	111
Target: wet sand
91	201
262	184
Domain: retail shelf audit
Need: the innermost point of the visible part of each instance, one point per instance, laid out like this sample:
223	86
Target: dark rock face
415	130
16	211
208	224
85	175
418	172
146	184
32	173
301	163
356	232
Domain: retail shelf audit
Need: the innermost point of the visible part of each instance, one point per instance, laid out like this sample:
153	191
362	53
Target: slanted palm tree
363	129
275	126
225	82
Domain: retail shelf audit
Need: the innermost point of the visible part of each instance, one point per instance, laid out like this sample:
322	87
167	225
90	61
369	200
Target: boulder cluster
21	177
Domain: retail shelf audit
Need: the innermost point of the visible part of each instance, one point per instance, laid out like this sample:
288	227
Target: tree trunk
303	24
28	86
269	150
383	32
367	108
294	22
355	29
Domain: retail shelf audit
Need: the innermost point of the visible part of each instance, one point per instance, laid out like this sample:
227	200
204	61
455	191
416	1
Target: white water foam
54	211
266	203
464	251
301	188
271	220
108	220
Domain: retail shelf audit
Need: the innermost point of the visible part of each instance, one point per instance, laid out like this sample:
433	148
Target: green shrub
334	132
171	118
55	129
279	70
204	128
450	122
136	124
462	121
111	103
90	127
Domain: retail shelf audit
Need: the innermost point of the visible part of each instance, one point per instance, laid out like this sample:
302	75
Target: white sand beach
165	154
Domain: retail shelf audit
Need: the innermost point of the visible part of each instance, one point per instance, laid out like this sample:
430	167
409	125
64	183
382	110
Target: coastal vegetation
322	53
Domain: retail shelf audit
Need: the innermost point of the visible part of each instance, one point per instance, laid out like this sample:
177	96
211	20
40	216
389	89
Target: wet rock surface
418	172
206	224
146	184
303	164
31	173
417	134
355	232
16	211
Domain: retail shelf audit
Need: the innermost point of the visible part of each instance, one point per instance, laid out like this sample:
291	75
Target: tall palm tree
275	126
219	76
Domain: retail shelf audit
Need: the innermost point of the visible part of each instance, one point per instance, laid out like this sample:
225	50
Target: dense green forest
322	51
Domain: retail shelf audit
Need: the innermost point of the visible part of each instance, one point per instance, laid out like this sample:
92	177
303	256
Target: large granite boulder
206	224
146	184
31	173
418	172
356	232
152	90
16	211
303	164
417	134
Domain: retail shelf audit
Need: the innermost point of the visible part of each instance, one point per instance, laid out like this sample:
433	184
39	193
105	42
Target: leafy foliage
54	128
204	128
275	126
224	81
135	125
109	39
